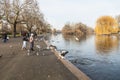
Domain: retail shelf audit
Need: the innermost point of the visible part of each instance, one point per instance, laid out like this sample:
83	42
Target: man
5	37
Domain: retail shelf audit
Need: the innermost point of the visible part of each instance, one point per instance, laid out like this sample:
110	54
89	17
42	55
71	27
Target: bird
64	52
38	46
37	53
28	52
1	55
10	46
52	47
76	38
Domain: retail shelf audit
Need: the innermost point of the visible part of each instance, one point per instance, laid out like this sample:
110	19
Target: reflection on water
73	38
97	56
67	37
106	43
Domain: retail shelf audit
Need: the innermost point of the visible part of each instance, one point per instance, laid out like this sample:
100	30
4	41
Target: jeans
31	45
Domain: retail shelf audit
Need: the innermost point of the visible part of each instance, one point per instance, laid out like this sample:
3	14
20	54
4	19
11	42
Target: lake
97	56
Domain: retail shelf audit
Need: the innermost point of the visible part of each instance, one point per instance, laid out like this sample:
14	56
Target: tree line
24	15
77	29
106	25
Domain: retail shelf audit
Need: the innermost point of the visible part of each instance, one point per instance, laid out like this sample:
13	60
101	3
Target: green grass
17	35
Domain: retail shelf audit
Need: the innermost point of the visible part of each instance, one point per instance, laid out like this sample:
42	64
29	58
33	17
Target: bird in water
76	38
64	52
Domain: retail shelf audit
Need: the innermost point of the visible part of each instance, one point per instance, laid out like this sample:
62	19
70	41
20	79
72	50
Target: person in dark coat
24	46
5	37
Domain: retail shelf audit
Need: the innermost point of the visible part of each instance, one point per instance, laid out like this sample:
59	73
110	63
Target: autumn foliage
106	25
77	29
105	43
68	29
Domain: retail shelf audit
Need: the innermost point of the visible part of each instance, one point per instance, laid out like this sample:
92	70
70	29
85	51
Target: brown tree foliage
67	29
77	29
106	25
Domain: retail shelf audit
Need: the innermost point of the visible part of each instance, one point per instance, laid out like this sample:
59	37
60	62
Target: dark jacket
25	38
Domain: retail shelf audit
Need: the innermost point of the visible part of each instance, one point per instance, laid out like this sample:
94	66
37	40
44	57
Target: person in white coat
32	42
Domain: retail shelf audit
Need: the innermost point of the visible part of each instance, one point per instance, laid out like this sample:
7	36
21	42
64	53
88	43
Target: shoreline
77	72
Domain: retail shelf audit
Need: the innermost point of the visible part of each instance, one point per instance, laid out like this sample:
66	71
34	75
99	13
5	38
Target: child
24	46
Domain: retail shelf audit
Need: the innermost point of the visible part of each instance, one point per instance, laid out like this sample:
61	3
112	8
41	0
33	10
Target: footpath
41	64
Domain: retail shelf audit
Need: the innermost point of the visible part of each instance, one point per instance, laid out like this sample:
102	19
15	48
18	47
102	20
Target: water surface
96	56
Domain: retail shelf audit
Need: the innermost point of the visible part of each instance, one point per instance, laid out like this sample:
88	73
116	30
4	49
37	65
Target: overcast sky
59	12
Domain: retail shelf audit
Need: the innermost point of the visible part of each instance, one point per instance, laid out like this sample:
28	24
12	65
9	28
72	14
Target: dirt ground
41	64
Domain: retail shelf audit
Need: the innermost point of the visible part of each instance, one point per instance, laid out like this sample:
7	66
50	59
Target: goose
64	52
52	47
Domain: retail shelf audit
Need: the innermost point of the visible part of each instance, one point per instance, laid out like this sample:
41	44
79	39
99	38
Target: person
31	41
24	46
5	37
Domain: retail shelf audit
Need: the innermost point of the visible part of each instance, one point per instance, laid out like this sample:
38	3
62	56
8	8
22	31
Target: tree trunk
29	30
14	33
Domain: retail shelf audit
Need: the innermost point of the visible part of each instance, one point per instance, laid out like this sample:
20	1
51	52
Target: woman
31	42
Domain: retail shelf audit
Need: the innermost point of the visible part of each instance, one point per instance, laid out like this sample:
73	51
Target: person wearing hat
31	42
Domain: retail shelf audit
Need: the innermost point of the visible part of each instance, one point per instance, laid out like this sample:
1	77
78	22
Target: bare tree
22	12
33	17
118	20
13	12
1	9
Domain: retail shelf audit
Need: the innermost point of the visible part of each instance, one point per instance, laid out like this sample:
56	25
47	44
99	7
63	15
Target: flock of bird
62	52
50	46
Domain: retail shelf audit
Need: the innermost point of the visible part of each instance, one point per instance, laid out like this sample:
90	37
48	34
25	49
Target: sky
60	12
